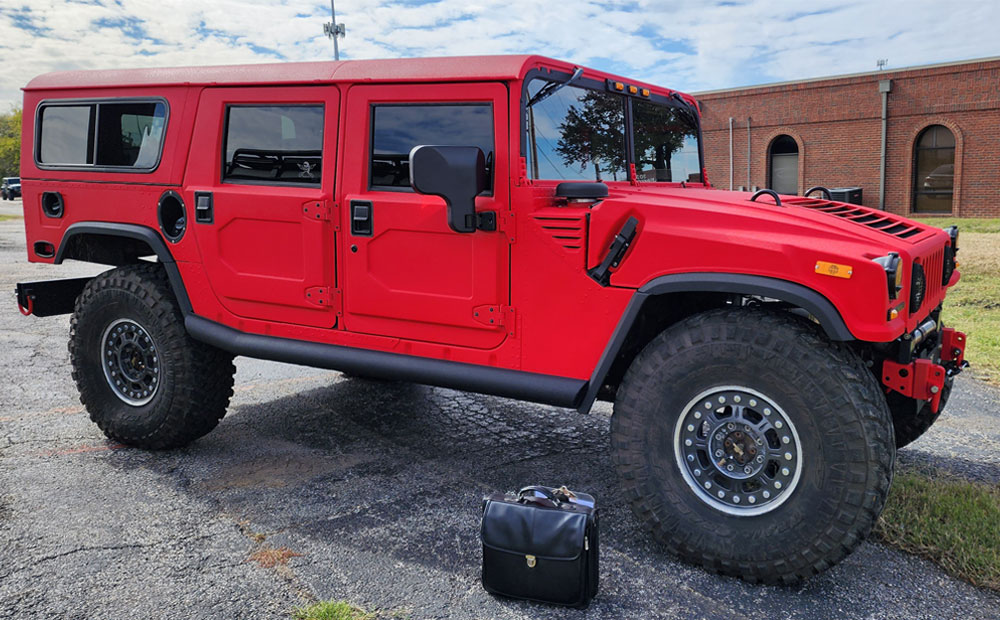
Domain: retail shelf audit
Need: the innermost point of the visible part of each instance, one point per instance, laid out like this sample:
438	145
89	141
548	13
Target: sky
691	45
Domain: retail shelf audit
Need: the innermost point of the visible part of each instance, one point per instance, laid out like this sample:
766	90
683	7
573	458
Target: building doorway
784	157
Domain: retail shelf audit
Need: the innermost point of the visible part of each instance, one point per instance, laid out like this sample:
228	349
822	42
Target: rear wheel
143	380
750	444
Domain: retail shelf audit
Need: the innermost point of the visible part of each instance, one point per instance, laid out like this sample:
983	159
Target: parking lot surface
318	486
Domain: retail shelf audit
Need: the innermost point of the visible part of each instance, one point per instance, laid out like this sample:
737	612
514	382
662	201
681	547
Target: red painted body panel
415	285
415	277
267	248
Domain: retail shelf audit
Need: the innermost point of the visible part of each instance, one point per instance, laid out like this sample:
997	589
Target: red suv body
562	224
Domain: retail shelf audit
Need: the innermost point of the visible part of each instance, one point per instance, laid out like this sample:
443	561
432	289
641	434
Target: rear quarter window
102	135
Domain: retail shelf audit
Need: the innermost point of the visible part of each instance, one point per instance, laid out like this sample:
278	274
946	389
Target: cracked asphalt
317	486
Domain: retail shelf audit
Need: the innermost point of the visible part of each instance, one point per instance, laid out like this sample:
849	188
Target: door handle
203	210
361	218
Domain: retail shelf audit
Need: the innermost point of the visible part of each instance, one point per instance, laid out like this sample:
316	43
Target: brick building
941	137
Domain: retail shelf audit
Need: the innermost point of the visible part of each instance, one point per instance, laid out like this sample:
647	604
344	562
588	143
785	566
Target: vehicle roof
447	69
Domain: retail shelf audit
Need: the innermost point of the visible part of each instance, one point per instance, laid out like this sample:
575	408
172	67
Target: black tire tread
204	376
787	335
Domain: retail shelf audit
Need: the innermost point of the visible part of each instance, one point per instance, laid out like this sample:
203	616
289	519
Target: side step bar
547	389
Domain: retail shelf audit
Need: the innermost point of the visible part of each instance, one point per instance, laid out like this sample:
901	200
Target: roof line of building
845	76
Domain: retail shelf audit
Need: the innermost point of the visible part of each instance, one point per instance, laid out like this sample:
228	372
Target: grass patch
5	217
973	306
332	610
965	224
951	522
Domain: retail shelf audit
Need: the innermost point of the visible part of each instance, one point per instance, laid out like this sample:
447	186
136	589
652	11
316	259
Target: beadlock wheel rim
130	362
738	450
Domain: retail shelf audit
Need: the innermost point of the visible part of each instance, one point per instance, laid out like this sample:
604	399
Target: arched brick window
784	165
934	170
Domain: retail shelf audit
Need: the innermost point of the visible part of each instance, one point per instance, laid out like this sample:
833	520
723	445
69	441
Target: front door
259	197
407	273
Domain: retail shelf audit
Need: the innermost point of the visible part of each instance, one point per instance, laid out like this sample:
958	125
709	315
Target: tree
10	143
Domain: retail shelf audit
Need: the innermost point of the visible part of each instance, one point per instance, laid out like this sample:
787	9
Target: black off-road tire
908	422
194	381
823	390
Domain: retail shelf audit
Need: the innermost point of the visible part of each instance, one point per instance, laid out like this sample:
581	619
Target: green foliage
951	522
10	143
332	610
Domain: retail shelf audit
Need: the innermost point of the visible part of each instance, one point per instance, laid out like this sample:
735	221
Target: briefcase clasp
531	561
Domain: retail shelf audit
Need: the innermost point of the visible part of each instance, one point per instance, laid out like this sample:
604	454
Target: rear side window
112	134
396	129
274	144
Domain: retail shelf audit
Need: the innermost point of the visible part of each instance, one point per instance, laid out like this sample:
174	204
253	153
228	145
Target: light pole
334	31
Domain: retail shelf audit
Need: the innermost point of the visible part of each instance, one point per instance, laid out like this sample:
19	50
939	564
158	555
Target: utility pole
334	31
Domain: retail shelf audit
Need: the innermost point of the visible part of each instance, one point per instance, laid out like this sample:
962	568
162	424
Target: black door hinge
602	273
485	220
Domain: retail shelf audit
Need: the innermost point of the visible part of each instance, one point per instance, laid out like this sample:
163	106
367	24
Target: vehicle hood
813	219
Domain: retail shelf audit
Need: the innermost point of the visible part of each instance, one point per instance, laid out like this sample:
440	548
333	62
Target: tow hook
953	348
921	379
29	307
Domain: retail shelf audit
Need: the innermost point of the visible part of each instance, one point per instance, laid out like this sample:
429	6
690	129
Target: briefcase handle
526	494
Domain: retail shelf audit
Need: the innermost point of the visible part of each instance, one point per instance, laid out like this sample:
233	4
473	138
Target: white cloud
687	45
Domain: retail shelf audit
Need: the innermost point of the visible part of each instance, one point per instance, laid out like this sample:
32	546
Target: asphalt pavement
318	486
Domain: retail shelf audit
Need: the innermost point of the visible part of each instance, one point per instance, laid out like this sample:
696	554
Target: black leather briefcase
541	545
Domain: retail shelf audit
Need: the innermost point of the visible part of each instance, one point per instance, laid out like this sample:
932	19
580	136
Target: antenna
333	30
881	63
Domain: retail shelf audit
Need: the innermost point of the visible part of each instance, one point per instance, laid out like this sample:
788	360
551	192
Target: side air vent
565	226
888	223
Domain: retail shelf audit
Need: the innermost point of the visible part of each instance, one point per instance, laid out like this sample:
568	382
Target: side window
274	144
102	134
397	128
130	134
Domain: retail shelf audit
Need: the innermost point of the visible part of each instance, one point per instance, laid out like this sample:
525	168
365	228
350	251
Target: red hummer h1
509	225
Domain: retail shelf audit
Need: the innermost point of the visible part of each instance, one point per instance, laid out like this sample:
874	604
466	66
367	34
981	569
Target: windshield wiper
687	109
550	88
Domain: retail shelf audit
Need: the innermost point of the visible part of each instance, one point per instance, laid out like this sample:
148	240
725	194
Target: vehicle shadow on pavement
378	486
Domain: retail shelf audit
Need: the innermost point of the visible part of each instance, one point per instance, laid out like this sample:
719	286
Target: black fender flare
797	294
138	232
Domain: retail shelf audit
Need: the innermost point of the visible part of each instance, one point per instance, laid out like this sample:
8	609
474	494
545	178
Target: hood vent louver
883	221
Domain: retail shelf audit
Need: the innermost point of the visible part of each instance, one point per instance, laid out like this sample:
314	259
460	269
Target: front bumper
924	378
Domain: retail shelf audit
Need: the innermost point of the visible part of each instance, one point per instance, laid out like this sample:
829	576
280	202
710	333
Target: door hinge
320	296
495	316
317	210
505	222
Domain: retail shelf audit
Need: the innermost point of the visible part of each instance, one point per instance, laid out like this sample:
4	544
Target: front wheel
142	378
750	444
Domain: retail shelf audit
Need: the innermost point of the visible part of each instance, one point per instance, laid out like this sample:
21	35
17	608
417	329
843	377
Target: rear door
407	273
259	186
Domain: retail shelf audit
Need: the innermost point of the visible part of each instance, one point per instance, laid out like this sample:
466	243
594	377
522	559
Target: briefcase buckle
531	561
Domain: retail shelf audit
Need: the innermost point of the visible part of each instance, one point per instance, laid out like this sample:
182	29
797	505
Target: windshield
580	134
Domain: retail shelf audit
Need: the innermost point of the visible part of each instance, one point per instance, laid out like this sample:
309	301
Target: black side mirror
455	173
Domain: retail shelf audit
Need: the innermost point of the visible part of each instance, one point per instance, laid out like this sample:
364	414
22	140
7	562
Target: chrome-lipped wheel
130	361
738	451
